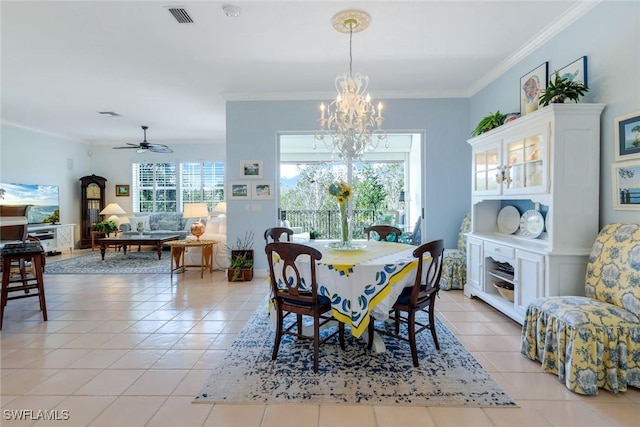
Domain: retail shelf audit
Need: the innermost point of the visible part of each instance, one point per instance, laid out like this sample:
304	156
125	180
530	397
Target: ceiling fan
145	146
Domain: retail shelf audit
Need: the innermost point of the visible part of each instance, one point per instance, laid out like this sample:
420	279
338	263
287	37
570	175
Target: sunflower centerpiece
342	192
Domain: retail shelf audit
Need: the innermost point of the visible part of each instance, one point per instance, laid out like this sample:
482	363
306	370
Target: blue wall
252	128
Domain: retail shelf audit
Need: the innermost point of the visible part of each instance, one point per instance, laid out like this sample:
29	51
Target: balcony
327	222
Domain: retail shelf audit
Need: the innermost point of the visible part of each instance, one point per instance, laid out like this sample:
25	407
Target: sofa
215	229
157	223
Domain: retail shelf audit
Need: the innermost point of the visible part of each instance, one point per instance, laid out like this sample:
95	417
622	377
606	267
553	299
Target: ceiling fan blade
159	148
121	148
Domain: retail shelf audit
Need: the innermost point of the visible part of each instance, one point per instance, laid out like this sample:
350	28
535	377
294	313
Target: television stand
53	237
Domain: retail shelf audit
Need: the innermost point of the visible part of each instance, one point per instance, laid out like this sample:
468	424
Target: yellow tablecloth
363	281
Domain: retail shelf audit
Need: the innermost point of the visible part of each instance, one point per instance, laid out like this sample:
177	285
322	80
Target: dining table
363	280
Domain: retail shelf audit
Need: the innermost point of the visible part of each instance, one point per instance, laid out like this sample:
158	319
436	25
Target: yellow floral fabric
593	341
454	264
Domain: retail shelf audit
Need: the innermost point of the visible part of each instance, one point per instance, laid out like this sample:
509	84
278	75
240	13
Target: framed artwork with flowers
531	86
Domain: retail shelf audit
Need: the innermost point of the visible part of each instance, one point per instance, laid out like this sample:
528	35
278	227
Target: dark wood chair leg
412	337
316	341
341	334
432	326
371	330
276	345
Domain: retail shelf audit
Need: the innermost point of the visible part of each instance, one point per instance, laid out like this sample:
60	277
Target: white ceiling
63	62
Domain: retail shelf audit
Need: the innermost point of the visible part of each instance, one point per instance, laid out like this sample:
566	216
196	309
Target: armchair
454	266
593	341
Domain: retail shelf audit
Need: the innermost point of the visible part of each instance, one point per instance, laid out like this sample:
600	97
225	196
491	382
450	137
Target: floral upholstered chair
593	341
454	266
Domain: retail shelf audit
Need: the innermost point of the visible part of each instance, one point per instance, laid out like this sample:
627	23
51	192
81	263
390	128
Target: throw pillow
223	225
167	225
134	220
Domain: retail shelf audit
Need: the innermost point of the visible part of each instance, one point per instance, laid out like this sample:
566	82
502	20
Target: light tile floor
133	351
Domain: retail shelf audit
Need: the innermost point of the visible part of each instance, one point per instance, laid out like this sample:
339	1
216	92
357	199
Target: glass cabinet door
486	168
525	170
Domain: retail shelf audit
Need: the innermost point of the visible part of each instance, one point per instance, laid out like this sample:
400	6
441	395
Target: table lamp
114	210
199	211
221	208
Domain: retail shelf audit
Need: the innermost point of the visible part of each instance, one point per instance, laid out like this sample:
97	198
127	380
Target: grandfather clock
93	189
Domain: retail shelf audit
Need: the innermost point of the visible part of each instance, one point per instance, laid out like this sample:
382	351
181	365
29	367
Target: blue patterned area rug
449	377
145	262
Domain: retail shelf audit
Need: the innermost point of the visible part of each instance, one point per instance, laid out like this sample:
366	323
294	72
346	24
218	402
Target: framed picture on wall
262	190
626	185
122	190
251	168
239	190
627	136
531	86
576	71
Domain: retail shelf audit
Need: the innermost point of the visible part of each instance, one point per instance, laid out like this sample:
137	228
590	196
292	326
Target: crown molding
44	132
553	29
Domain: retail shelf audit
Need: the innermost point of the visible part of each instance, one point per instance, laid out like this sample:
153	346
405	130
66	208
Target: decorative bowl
505	290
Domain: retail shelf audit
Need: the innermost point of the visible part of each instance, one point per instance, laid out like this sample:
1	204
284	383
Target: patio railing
327	222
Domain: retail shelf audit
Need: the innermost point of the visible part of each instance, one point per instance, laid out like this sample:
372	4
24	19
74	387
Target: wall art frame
122	190
239	190
262	190
531	86
251	169
625	177
627	136
575	71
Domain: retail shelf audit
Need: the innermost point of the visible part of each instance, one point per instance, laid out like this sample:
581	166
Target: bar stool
22	253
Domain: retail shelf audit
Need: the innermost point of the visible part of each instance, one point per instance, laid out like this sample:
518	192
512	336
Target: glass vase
345	234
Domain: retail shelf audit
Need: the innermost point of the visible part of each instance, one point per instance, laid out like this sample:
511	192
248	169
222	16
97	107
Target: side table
179	247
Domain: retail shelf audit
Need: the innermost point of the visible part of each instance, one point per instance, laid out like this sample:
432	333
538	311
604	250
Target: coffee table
156	240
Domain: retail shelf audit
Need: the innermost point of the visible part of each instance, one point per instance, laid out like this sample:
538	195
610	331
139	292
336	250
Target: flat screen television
44	201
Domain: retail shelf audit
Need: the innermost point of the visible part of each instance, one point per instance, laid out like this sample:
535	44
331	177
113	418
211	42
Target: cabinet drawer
501	250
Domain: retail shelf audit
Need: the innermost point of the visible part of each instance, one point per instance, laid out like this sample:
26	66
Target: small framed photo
122	190
576	71
531	86
627	136
239	190
262	190
251	169
626	185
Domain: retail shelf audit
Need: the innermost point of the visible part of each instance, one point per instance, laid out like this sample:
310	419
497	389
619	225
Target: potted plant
561	89
241	264
107	227
491	121
313	234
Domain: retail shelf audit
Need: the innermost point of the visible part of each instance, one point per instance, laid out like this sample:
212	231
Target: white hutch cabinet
548	161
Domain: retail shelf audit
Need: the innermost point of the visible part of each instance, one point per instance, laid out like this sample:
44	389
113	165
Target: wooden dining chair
387	233
419	297
292	294
274	234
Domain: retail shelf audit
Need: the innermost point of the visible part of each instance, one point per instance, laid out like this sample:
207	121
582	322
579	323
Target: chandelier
352	122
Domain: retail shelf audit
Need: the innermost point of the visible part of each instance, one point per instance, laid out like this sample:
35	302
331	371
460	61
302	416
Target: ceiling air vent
181	15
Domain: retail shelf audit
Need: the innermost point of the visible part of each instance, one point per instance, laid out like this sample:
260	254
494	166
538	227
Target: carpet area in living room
144	262
448	377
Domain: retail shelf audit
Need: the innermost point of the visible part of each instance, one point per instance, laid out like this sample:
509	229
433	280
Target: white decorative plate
531	224
508	220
